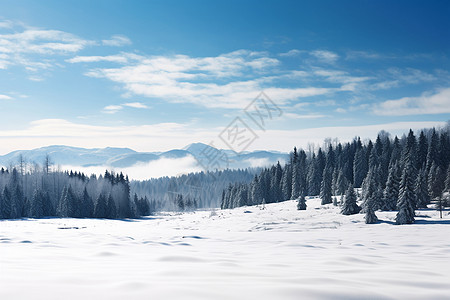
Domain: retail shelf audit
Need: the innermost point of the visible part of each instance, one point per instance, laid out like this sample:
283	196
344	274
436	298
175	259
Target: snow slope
245	253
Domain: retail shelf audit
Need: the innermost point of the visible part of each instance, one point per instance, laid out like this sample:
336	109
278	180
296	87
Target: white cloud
41	42
225	81
325	56
90	59
427	103
35	48
112	109
135	105
5	97
117	41
303	116
293	52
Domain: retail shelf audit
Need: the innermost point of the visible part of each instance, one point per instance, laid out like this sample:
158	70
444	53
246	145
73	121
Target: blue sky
156	75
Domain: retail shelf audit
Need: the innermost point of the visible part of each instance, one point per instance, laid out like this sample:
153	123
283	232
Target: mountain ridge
125	157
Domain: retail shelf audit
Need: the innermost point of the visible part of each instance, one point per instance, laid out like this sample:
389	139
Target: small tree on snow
350	207
370	216
301	202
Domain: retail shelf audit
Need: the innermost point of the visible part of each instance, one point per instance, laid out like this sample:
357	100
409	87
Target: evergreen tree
87	205
447	180
421	190
63	205
6	204
37	205
406	198
371	190
432	153
370	216
47	205
100	209
286	182
179	202
436	182
390	195
422	150
301	203
295	181
360	167
349	206
111	208
325	187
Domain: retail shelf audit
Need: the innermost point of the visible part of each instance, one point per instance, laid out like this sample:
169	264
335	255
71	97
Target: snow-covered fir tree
301	202
390	194
406	198
349	207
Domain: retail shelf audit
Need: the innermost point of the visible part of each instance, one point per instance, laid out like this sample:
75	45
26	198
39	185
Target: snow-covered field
245	253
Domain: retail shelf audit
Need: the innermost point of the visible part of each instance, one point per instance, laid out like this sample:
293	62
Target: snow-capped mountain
125	157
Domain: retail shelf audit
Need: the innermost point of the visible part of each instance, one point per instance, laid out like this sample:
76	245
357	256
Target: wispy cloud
325	56
135	105
117	41
112	109
427	103
224	81
5	97
290	53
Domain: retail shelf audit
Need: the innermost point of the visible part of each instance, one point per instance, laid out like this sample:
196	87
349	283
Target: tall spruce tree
421	189
406	198
390	195
100	209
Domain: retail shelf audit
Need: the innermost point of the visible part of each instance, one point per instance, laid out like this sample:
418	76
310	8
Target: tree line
41	192
402	174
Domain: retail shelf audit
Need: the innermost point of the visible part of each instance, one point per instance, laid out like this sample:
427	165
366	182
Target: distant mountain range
125	157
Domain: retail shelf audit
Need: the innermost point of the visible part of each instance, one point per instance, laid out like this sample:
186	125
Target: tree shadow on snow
430	222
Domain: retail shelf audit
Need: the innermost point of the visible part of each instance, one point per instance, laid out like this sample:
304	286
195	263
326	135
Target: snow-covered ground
245	253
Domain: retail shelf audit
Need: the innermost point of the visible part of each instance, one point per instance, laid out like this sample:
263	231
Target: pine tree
286	182
100	209
87	205
111	208
48	208
433	151
295	181
422	150
179	202
436	182
63	205
349	206
6	204
390	195
360	167
406	198
325	187
37	206
370	216
447	180
421	190
301	203
371	190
